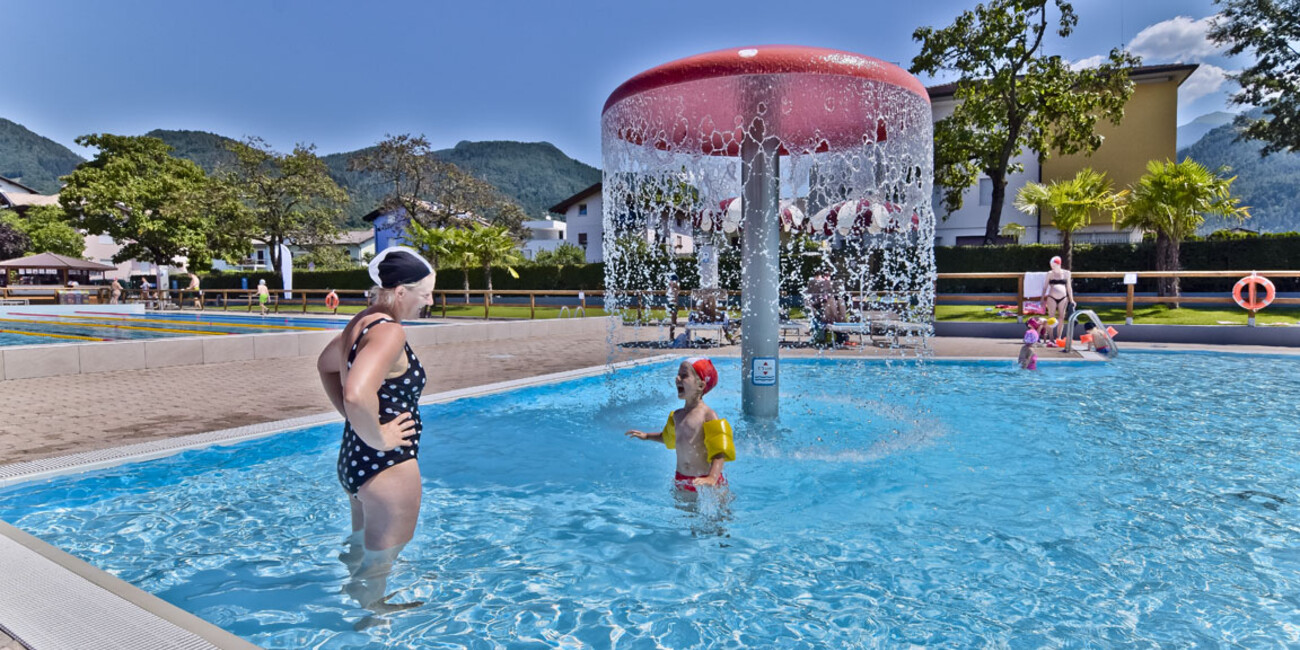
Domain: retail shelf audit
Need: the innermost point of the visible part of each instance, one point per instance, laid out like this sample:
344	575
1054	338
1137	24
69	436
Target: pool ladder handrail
1092	315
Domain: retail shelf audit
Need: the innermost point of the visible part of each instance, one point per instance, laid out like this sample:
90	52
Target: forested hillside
1268	185
33	160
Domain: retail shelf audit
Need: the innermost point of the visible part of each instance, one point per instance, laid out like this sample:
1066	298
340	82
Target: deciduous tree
13	241
48	230
1270	31
157	206
1011	96
289	197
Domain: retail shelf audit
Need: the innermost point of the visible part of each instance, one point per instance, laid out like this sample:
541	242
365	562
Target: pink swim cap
705	370
1031	336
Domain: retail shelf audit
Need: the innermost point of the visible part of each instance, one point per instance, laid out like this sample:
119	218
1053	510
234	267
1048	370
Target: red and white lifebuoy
332	301
1253	302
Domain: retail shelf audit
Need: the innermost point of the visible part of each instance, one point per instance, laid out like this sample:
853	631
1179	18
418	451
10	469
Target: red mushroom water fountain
844	127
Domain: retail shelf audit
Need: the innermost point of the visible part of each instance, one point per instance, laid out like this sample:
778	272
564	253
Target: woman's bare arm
375	357
329	366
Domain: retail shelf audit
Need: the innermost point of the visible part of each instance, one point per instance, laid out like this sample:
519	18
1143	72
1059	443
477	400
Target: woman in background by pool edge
1059	299
374	380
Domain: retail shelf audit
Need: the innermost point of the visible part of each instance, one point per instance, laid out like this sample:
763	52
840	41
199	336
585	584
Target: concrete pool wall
49	360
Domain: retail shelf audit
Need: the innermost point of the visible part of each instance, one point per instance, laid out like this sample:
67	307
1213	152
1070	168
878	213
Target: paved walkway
59	415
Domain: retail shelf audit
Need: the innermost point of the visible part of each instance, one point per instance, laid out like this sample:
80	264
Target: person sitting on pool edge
1100	341
703	441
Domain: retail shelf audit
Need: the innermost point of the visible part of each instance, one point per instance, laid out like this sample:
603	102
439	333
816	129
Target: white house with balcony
543	235
584	217
583	221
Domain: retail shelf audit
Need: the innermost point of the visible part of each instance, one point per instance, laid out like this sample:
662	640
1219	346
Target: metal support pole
760	276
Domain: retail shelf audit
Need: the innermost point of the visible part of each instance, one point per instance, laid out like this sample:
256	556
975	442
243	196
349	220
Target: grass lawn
1149	315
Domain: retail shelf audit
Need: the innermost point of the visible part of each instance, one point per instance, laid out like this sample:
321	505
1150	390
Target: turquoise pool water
1147	502
32	327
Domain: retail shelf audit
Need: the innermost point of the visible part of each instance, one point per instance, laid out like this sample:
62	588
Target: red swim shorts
684	482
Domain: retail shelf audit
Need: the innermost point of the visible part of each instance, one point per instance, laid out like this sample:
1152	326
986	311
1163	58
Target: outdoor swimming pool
1145	502
32	327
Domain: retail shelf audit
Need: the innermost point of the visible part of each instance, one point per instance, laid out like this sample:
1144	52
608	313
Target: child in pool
1028	360
703	440
1100	341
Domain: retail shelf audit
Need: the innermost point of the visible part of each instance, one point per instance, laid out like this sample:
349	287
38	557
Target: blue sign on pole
243	283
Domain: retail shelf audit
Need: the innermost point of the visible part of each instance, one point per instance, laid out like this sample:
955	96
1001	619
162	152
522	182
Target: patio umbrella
729	214
858	217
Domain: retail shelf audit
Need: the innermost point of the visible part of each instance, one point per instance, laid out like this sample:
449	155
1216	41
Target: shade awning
55	261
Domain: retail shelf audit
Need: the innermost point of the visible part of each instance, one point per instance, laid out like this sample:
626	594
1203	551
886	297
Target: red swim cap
705	370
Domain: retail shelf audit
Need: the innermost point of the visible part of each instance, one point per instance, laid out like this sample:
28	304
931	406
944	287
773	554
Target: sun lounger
797	328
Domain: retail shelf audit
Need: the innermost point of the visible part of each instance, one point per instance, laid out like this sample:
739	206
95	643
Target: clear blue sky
343	74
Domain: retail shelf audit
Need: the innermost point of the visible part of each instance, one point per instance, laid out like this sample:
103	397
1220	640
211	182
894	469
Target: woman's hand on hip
395	432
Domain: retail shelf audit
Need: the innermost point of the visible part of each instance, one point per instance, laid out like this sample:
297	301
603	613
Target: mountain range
536	175
1192	132
1266	184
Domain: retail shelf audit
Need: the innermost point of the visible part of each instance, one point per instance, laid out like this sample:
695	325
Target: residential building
390	224
583	221
19	197
1148	131
543	235
584	215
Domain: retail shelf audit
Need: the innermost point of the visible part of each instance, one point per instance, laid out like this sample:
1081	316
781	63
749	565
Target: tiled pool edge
93	602
165	615
53	360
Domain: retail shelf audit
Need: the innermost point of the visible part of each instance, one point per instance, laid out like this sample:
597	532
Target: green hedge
1279	252
1244	253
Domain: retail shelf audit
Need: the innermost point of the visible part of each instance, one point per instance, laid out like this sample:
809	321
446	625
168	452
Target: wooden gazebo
61	264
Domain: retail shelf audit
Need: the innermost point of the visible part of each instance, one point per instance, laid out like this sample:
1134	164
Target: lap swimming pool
1145	502
32	327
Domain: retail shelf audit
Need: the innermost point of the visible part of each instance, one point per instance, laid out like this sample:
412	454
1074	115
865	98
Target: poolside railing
575	302
1129	299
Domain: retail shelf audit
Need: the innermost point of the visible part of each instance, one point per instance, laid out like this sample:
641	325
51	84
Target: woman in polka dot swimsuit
374	380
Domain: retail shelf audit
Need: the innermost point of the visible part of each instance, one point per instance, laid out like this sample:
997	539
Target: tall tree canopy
157	206
1270	31
1012	96
431	191
290	197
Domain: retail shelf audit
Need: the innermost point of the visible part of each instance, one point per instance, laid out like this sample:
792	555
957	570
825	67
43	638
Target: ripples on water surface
1151	501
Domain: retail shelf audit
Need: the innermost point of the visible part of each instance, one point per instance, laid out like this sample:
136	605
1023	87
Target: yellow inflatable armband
718	440
670	432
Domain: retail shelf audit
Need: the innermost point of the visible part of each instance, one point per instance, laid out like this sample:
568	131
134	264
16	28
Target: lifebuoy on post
1252	301
332	301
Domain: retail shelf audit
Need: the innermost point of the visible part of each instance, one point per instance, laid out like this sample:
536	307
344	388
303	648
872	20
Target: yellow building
1148	131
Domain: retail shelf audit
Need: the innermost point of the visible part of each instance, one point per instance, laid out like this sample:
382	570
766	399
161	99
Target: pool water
1146	502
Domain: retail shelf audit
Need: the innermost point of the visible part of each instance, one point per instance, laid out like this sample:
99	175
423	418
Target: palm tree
1072	203
1172	200
433	243
493	246
460	252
